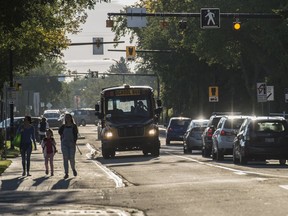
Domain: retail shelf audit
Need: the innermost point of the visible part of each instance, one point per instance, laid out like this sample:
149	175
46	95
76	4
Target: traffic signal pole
197	15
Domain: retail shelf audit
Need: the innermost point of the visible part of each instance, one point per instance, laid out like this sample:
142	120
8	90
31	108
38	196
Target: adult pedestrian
49	149
42	127
68	135
27	132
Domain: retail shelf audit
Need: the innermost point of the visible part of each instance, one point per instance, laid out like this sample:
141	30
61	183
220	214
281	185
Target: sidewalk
88	173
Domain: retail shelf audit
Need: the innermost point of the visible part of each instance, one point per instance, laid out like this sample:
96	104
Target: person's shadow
11	184
38	181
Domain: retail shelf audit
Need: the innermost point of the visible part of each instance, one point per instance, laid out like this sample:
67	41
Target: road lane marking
118	181
236	171
284	187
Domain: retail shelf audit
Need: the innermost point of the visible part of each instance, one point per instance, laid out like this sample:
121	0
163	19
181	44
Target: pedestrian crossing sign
209	18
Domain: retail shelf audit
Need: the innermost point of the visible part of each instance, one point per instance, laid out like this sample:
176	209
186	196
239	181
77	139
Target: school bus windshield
124	106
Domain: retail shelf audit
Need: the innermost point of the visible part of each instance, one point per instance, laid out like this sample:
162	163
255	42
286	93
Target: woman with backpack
68	135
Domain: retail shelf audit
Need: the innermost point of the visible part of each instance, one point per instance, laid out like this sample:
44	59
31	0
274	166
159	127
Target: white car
224	135
54	118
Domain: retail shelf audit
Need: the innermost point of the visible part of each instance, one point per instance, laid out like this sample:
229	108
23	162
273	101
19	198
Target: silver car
192	139
224	135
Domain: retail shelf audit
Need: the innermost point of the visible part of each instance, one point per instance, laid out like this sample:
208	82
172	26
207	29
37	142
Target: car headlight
108	134
152	132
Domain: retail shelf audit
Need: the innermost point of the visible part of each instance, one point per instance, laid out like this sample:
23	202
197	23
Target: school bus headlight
152	132
108	134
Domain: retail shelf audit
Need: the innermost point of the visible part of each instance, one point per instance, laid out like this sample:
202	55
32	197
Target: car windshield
51	115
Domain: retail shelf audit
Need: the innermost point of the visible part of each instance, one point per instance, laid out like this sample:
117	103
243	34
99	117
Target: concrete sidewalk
90	174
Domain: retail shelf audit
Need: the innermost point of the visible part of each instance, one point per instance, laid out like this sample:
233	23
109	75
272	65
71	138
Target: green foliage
233	60
32	31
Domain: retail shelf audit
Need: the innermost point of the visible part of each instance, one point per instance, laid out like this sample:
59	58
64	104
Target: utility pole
11	83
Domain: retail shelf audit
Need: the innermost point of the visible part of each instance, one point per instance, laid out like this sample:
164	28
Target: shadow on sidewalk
12	184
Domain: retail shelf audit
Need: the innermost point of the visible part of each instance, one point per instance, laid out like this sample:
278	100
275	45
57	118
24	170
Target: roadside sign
98	47
270	93
213	94
11	95
136	21
209	18
261	92
130	53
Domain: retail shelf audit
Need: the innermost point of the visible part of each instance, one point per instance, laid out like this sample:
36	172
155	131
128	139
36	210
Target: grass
10	153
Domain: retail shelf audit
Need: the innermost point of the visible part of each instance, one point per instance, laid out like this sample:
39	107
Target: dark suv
85	116
261	138
207	135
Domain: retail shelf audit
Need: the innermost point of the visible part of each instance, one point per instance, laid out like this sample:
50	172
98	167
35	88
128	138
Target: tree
232	60
32	31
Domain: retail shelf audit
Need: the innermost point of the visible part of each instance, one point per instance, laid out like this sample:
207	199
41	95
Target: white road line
284	187
118	181
236	171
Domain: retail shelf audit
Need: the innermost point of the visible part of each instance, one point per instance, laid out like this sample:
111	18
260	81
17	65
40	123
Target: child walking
49	149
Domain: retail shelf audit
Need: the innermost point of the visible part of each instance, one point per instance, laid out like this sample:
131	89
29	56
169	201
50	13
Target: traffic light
237	25
182	24
130	53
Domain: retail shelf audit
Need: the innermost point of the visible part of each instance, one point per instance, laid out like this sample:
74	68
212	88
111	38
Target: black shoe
74	172
23	173
66	176
46	172
28	174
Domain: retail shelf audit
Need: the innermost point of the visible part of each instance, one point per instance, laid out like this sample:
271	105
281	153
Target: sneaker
66	176
46	172
74	172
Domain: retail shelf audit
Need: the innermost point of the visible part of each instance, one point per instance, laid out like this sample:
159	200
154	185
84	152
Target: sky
81	58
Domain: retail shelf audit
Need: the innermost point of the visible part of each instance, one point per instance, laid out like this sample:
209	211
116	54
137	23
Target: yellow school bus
129	120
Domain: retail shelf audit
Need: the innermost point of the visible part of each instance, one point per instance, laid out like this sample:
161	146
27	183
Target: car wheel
185	150
106	153
83	122
219	155
282	161
235	159
205	152
213	154
167	141
155	151
145	152
243	159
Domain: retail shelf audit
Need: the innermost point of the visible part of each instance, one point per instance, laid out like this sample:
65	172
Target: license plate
269	140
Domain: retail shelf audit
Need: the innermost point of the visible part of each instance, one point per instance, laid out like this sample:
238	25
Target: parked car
192	139
85	116
223	137
54	118
176	129
5	126
261	138
207	135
